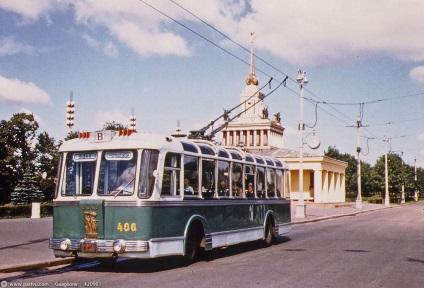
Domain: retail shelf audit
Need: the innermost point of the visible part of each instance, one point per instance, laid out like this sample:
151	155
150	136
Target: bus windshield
79	174
117	173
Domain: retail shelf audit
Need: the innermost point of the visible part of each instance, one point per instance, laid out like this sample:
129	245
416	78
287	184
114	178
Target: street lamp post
402	201
301	207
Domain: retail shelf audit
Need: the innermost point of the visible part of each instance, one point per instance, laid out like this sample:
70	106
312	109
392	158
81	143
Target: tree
47	152
16	153
27	191
72	135
395	175
113	126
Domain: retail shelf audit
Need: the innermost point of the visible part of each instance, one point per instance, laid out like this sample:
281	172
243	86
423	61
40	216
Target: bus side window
191	176
171	175
270	181
223	173
237	180
208	178
279	183
149	163
286	190
260	182
249	184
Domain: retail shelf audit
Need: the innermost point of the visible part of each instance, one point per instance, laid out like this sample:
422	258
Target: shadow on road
173	262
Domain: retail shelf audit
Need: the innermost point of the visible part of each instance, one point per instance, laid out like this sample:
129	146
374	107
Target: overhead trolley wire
275	68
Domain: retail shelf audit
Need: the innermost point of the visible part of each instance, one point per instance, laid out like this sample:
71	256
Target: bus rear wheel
191	244
269	233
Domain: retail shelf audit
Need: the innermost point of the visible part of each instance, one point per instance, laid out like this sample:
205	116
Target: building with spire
252	130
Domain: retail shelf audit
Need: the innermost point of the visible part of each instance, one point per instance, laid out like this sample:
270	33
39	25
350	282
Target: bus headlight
65	244
119	246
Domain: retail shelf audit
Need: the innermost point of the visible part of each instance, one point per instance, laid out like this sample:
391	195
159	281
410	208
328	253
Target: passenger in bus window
223	189
236	190
250	193
187	188
125	182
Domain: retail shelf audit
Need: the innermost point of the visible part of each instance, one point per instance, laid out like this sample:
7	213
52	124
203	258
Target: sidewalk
320	211
24	242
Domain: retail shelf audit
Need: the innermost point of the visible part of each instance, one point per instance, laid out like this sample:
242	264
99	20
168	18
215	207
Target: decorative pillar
318	186
331	187
325	187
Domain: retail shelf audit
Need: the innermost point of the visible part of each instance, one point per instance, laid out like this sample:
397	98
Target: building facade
253	131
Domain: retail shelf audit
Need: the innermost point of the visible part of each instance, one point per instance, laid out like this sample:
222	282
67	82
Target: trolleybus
140	195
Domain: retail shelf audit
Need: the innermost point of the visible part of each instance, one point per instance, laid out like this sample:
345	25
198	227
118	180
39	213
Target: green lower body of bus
108	229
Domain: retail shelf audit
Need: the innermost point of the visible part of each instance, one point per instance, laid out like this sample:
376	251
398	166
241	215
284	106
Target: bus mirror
156	174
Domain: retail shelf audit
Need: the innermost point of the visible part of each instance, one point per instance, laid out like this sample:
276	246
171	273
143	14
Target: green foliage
376	199
72	135
47	160
373	177
16	154
113	126
24	211
27	191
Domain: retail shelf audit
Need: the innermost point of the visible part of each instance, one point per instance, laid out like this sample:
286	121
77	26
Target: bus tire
191	243
269	232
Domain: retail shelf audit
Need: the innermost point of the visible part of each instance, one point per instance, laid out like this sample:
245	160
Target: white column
331	188
318	186
325	187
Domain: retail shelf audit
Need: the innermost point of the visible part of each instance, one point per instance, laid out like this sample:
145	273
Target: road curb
38	265
339	216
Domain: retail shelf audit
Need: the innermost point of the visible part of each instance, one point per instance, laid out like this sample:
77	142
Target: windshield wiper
123	188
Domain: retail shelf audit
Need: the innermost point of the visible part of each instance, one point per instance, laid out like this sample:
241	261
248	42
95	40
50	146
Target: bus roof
130	139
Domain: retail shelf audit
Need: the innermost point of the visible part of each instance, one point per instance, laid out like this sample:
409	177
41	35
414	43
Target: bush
376	199
24	211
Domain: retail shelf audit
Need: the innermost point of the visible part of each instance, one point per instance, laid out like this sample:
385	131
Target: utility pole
358	151
402	201
301	207
415	180
386	198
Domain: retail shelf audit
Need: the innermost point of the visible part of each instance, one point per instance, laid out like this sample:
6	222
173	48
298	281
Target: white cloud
8	46
15	90
37	118
112	116
305	33
323	32
31	10
417	75
133	24
108	48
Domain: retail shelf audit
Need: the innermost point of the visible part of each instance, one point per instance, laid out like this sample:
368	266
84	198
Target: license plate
88	246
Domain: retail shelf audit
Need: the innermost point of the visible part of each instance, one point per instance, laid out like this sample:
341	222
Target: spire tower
252	79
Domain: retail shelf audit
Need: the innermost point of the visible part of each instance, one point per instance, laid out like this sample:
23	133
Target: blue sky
121	55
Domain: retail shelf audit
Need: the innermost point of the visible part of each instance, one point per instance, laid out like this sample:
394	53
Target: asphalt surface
24	242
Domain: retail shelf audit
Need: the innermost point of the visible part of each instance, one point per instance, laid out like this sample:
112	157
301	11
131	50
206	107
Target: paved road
376	249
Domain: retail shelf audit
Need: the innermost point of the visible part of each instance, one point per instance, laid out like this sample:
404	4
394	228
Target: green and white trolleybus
139	195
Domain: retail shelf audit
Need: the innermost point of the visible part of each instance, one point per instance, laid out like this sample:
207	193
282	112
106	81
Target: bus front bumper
93	248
